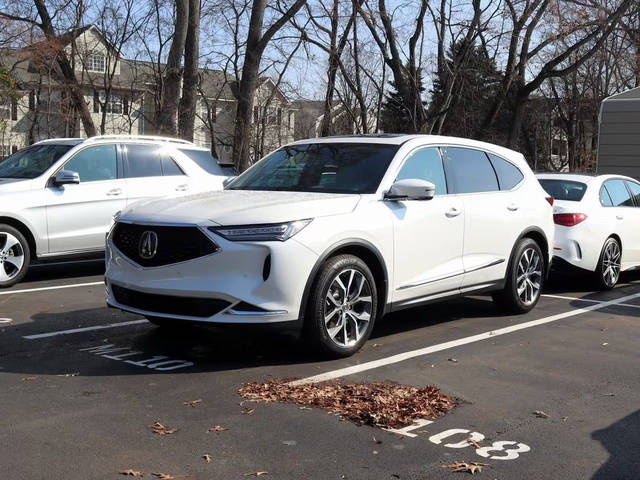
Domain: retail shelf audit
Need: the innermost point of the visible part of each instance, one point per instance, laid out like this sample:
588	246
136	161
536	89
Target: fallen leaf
454	360
217	428
207	457
473	442
564	419
74	374
540	414
168	476
608	394
193	403
248	411
132	473
605	344
471	467
28	379
380	404
376	441
290	443
256	474
160	429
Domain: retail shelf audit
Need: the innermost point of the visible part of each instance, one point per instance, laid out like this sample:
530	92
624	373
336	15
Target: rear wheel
608	270
342	307
524	280
14	256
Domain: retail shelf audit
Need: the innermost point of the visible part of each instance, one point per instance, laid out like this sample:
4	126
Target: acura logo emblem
148	245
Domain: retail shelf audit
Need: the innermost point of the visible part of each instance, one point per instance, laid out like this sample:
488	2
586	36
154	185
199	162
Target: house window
95	62
5	151
5	108
279	117
116	104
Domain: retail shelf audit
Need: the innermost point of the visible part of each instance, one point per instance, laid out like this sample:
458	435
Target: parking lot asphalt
80	384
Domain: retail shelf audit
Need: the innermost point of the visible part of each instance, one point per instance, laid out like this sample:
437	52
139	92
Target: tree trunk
173	73
334	58
516	121
187	108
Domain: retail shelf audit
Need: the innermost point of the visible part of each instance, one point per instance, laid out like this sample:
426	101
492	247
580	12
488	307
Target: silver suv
58	197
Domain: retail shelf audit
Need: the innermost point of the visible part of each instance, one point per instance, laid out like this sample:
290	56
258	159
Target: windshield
204	160
32	162
321	167
564	189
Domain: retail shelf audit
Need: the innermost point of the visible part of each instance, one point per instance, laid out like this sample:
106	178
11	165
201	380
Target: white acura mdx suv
58	197
335	232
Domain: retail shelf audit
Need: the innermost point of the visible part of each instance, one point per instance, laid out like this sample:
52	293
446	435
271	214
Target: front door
79	215
428	234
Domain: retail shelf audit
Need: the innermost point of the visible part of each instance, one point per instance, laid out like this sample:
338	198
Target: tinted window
204	160
95	163
169	167
564	189
618	193
32	162
323	167
635	191
508	174
605	199
469	170
143	161
425	164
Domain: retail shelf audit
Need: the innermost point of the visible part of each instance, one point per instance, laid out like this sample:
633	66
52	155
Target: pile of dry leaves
382	404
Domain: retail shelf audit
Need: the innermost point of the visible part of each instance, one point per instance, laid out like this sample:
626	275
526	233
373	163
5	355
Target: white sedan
597	223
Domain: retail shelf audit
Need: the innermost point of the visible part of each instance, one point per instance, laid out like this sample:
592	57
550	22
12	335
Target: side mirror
228	180
411	189
66	177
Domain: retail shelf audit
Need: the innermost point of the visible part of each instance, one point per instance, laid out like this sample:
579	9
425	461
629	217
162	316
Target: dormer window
95	62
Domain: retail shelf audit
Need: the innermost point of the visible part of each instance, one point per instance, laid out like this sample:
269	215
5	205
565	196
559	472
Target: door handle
182	188
453	212
114	192
619	217
512	207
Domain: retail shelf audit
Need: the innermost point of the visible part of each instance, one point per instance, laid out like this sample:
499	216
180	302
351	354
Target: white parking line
342	372
57	287
563	297
84	329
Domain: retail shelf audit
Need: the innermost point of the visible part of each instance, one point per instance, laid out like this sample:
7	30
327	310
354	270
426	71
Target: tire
344	292
524	278
14	260
607	272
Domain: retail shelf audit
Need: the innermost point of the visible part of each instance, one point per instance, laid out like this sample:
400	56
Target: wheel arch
26	231
361	249
538	235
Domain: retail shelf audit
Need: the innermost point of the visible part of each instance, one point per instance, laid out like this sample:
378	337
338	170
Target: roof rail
54	140
140	137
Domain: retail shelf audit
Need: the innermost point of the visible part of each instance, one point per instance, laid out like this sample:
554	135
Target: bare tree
187	107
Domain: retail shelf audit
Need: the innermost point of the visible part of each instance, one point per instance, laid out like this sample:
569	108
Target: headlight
114	221
265	232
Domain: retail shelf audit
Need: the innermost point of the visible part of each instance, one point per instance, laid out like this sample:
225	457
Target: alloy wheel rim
611	263
347	307
11	257
529	276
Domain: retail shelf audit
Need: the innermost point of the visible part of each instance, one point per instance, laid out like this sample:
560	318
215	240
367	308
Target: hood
241	207
15	184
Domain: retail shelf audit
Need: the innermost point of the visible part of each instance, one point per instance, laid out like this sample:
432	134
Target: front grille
168	304
174	243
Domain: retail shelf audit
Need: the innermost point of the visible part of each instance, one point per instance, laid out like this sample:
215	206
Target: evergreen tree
396	117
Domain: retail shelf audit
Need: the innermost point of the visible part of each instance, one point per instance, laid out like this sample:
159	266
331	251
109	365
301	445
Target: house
345	120
123	96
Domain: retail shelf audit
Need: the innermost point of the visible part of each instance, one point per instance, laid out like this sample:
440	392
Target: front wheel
14	256
342	307
608	269
524	278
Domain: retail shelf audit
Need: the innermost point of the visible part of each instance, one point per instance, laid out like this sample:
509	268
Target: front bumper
241	283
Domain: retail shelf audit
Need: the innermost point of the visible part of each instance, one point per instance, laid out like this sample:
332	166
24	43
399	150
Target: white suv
58	197
335	232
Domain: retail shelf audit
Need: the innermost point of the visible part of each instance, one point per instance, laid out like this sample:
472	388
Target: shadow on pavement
58	271
622	441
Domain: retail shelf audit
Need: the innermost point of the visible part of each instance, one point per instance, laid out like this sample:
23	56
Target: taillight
550	200
568	219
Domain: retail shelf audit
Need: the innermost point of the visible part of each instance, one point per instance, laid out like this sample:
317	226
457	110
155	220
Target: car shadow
41	272
622	441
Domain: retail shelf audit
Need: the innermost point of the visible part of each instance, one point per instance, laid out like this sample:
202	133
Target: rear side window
635	191
425	164
508	174
619	194
143	161
605	199
564	189
204	160
169	167
469	171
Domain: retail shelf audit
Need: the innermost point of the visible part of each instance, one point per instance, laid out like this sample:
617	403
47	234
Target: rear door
634	221
626	221
78	216
493	218
151	173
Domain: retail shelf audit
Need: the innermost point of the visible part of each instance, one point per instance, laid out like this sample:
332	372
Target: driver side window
425	164
95	163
